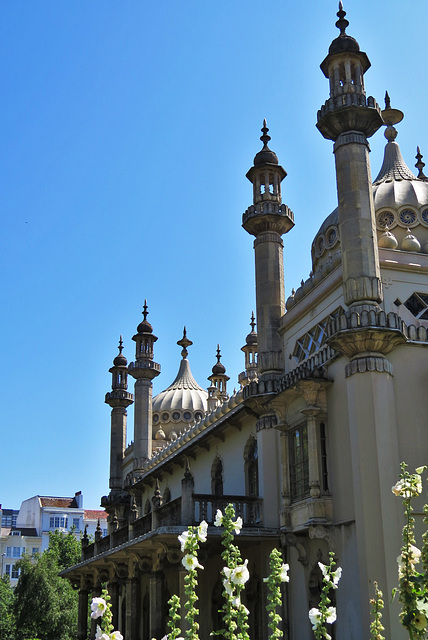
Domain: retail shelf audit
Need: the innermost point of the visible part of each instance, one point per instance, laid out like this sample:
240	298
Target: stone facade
331	400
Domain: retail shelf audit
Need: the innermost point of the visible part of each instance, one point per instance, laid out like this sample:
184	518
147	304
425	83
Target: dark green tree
45	603
7	616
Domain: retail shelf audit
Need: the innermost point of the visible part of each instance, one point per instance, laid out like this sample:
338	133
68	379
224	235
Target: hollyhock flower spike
98	607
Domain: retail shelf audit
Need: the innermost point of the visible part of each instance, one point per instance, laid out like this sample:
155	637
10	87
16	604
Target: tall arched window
217	477
251	468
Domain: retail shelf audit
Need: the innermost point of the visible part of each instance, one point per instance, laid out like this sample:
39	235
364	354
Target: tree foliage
7	618
45	603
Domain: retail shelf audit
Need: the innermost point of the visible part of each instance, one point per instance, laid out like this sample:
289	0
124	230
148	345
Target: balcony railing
180	512
249	509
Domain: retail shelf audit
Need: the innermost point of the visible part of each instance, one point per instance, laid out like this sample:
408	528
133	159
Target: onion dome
183	401
252	336
218	368
387	240
265	156
343	42
410	243
120	360
145	326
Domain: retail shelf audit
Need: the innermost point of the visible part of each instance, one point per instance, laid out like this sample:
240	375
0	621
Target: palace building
332	398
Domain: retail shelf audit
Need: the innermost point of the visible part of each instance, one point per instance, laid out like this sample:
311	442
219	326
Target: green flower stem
174	617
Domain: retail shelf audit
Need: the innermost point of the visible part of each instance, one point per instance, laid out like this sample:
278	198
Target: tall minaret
268	219
118	399
349	118
144	369
250	351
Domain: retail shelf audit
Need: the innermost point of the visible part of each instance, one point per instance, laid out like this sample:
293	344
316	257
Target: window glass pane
299	463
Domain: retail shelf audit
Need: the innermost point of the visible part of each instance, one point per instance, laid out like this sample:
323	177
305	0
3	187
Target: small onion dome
218	369
410	243
252	336
160	434
120	360
145	326
265	156
387	240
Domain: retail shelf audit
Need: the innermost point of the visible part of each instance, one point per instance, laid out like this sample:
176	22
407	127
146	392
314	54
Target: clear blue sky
126	132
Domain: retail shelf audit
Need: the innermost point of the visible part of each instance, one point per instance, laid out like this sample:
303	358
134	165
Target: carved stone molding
363	288
290	540
350	137
368	363
266	422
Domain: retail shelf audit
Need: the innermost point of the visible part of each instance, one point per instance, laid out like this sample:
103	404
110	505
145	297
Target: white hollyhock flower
331	615
98	607
116	635
237	525
100	635
228	587
190	562
240	574
283	573
182	539
202	531
335	577
236	602
315	617
218	518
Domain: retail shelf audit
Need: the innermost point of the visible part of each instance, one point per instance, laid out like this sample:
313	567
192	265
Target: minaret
144	369
268	219
250	351
219	379
118	399
349	118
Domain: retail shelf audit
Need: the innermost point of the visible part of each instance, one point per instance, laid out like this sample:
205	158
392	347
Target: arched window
251	468
217	477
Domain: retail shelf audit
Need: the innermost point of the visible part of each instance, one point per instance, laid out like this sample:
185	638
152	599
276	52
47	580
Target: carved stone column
156	600
285	475
82	620
314	466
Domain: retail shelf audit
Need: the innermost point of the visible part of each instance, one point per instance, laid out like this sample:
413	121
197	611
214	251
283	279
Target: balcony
179	513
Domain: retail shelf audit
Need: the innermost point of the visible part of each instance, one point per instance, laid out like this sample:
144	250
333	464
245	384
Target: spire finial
145	312
420	165
218	353
184	342
253	321
342	23
387	100
265	137
120	347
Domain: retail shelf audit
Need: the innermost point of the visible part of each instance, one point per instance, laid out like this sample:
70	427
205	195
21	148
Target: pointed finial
120	345
218	353
184	342
145	312
342	23
253	321
390	117
157	489
387	100
420	165
187	472
265	137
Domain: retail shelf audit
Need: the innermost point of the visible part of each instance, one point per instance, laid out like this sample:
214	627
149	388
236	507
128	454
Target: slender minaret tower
118	399
144	369
268	219
250	351
349	118
219	378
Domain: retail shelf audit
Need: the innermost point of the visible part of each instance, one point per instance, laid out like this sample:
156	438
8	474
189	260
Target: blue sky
127	128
